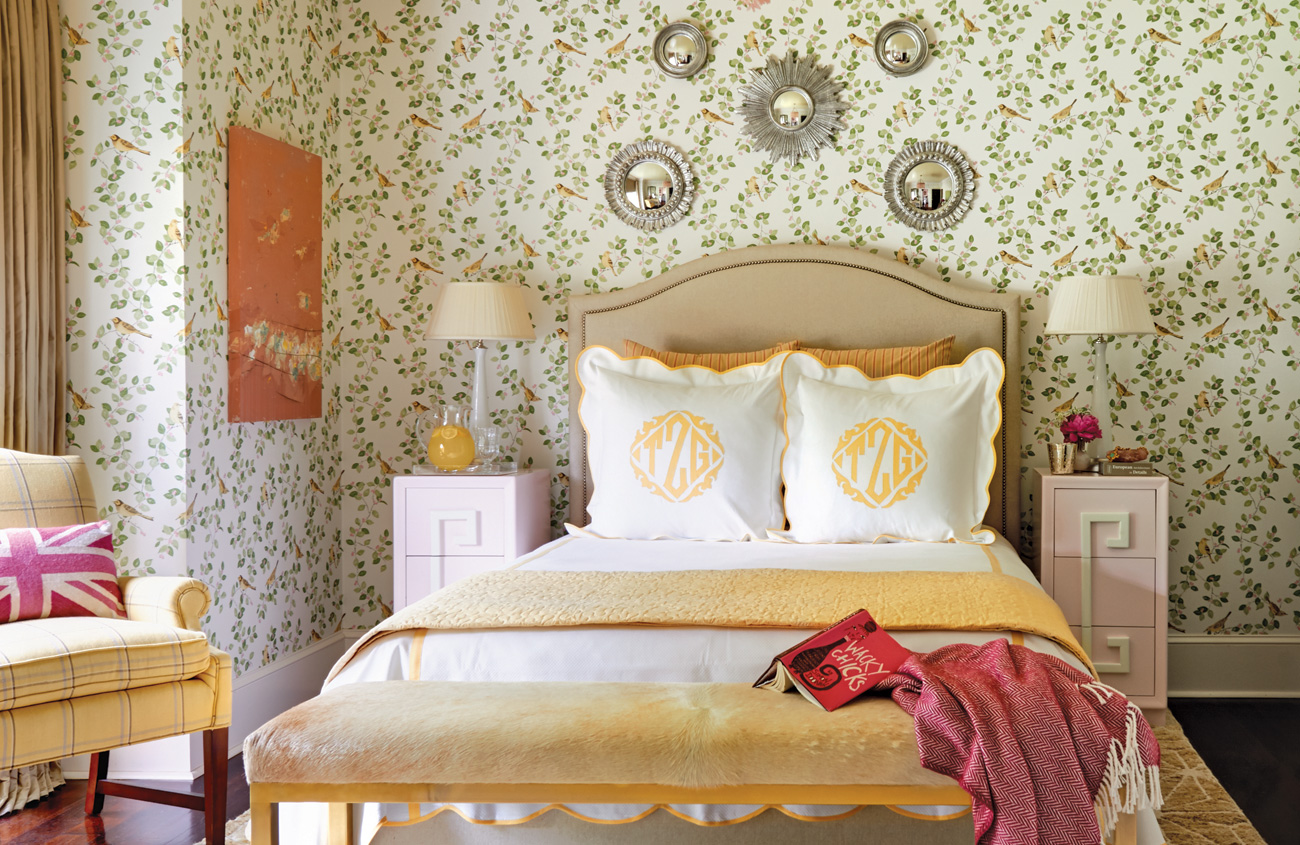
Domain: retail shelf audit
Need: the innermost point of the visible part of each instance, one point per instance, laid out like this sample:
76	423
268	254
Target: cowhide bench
582	743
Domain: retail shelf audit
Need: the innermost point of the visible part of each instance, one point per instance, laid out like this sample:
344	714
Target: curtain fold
32	284
32	288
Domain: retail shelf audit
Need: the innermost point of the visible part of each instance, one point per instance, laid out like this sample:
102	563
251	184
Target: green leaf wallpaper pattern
469	140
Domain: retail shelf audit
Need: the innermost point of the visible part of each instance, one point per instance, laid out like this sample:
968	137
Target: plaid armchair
78	685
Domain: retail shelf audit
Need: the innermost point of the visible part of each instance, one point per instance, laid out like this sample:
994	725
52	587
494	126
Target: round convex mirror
649	185
901	47
928	186
681	50
791	108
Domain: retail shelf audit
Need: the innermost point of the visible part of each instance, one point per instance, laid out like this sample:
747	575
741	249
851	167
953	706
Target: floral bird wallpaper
468	140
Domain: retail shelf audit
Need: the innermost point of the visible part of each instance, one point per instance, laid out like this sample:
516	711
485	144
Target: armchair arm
168	600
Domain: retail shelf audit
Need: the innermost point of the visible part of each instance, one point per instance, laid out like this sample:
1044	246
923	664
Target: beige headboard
823	296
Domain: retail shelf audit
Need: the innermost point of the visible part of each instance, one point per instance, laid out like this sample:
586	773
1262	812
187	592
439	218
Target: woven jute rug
1197	811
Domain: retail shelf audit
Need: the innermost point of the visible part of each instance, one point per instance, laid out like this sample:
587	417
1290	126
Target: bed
731	302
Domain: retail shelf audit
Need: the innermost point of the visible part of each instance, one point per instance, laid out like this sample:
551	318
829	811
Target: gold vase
1060	457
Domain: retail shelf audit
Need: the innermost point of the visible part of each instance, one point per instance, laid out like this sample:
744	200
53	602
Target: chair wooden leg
94	789
215	764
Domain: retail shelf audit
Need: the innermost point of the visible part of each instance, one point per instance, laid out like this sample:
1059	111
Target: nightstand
1103	555
446	527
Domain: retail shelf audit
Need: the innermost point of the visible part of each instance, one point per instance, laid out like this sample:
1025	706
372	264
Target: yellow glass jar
451	447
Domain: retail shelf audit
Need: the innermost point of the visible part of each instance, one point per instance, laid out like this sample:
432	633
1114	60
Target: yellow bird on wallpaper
1009	113
1218	627
460	191
1065	112
604	117
335	342
714	117
1120	390
266	654
334	197
1120	97
384	181
387	611
315	637
1200	107
123	327
1213	37
314	487
174	231
1273	609
562	478
1049	38
562	334
128	511
1216	479
339	626
124	146
529	252
383	465
968	23
475	267
529	395
1066	405
185	330
900	112
1273	463
311	36
618	48
245	584
1202	254
1049	184
458	47
75	37
293	86
380	35
1203	548
266	95
862	188
334	51
1120	243
221	314
266	497
1164	332
900	255
751	42
78	400
185	147
189	510
297	552
221	485
173	48
78	222
419	407
1217	331
1008	258
1273	316
1159	37
567	192
241	82
270	579
565	47
1203	401
420	123
606	260
338	483
1065	260
473	122
423	267
217	132
384	325
528	107
1216	184
753	187
1270	20
1273	169
858	41
1161	185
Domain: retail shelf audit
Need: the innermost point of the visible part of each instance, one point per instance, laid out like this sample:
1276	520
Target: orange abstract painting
274	275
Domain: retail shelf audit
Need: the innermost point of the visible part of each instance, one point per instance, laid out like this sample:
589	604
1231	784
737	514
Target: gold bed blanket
734	598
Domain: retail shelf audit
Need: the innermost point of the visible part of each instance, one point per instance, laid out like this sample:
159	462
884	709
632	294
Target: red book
836	665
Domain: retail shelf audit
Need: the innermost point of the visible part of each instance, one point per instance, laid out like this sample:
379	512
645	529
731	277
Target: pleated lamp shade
481	311
1100	305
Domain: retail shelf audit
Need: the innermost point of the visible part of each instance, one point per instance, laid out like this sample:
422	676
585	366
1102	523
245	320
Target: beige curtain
32	293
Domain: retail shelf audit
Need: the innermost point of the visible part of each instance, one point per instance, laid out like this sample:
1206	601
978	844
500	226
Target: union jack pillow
66	571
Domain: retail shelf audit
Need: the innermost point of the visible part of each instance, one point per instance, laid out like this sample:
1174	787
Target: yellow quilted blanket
735	598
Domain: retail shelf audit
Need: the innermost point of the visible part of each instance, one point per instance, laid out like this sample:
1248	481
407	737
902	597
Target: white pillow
902	457
683	453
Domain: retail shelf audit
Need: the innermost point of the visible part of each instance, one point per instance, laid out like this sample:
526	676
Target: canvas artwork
275	327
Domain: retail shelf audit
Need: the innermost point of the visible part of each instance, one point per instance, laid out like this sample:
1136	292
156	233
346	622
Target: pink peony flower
1080	428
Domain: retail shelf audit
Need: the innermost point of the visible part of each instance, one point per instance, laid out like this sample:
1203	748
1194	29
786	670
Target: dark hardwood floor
1252	745
61	818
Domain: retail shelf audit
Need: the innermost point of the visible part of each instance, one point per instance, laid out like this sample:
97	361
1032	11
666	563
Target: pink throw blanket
1034	741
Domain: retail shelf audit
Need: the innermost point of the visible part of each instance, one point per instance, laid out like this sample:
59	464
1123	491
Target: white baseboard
258	696
1242	666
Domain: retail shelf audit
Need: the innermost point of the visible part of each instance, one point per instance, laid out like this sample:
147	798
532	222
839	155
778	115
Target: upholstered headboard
823	296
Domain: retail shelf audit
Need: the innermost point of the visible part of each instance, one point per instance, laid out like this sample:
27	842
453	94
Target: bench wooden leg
94	783
216	758
340	824
266	821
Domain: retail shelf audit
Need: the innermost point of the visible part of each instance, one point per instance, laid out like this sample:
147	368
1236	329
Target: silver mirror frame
666	156
691	31
780	75
918	35
963	185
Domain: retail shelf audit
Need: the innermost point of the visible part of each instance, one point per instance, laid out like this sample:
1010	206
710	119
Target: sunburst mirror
792	107
930	185
649	185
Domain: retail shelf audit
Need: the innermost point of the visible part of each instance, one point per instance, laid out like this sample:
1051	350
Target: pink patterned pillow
66	571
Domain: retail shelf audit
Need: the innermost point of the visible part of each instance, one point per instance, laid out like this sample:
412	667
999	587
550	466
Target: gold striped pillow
899	360
720	361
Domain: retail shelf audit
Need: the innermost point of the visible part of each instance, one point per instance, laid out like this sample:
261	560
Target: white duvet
692	654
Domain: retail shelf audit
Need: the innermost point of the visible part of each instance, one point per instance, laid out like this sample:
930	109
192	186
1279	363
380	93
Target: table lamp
479	311
1100	306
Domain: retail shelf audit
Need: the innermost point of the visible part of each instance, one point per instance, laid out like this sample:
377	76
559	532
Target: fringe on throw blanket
1128	784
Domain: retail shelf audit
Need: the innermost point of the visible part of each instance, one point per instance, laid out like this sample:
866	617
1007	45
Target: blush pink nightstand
1103	555
446	527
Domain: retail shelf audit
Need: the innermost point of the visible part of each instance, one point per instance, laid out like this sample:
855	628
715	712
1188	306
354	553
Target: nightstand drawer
1123	590
1140	505
455	521
425	574
1141	677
